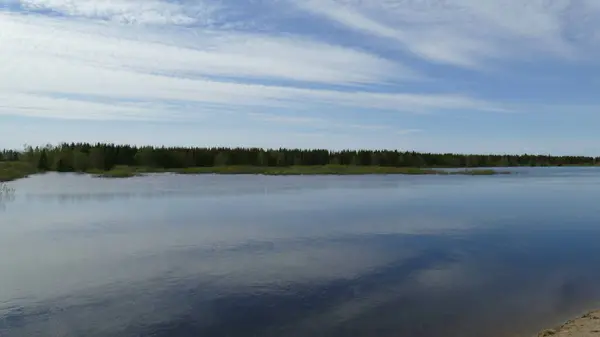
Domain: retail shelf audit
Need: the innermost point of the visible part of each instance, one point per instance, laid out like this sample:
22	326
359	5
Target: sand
585	326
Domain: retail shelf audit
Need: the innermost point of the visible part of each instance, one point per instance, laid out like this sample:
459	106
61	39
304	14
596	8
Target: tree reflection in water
7	194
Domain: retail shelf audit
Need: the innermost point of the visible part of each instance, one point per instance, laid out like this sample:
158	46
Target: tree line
84	156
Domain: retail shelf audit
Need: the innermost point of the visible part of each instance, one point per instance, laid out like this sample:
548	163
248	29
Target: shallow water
170	255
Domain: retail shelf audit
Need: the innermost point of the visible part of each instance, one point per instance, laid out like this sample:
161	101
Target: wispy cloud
125	11
44	57
330	124
305	66
286	119
469	33
190	53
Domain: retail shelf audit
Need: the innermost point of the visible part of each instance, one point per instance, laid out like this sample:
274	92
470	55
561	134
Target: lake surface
179	256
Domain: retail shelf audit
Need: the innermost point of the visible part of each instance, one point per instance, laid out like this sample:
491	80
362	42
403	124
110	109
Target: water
178	256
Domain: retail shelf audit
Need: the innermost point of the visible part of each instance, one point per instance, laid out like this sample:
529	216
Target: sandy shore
585	326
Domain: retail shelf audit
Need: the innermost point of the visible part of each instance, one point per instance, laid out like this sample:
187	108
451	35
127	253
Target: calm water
180	256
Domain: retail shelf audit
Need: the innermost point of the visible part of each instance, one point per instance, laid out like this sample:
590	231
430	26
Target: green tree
97	159
222	159
375	159
84	156
43	164
262	159
81	161
279	158
145	157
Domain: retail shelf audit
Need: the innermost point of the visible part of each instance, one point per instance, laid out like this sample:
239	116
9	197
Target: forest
85	157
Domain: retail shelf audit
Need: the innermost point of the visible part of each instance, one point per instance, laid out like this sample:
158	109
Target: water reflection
418	259
7	194
444	289
76	188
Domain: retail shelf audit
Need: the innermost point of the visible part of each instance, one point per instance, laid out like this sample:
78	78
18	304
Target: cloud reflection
346	262
418	285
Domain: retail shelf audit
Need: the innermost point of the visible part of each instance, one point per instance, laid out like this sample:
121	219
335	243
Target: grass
479	172
131	171
4	189
15	170
116	172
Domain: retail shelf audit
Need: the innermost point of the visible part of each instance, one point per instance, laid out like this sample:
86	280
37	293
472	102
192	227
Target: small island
132	171
9	171
122	161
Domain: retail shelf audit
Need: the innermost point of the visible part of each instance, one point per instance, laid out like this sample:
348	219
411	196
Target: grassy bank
14	170
131	171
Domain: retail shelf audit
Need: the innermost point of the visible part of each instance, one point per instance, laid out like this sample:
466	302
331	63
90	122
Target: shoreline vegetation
120	161
23	171
127	171
15	170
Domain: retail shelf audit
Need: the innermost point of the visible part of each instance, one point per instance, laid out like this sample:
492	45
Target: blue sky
429	75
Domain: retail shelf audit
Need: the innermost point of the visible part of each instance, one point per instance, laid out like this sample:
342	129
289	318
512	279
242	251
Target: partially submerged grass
116	172
6	194
131	171
15	170
479	172
330	170
5	190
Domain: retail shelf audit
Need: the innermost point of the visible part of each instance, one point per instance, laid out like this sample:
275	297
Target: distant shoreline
121	160
14	172
126	171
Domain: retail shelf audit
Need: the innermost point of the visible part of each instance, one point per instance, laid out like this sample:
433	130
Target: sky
470	76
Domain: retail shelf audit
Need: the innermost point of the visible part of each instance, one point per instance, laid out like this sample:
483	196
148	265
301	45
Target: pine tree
43	164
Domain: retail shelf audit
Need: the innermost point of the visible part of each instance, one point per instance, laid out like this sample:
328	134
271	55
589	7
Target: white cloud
469	33
31	105
48	64
408	131
124	11
286	119
328	124
206	52
187	61
40	106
